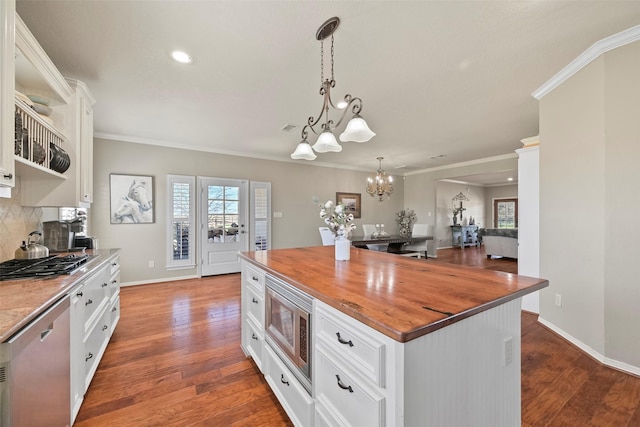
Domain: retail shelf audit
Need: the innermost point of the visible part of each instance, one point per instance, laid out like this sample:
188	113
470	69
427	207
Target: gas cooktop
48	266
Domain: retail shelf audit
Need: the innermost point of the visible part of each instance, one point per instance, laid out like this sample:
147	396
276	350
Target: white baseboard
615	364
165	279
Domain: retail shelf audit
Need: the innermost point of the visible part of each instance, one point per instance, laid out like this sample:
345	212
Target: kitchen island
395	340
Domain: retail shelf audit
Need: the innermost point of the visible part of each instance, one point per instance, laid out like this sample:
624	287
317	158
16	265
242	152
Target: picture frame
131	199
351	202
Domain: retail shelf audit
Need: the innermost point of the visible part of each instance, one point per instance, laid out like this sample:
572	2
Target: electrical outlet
508	351
559	300
152	264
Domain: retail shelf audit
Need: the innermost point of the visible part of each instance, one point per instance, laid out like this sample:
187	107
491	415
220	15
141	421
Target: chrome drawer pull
86	359
341	341
342	386
282	380
79	294
254	336
253	300
88	302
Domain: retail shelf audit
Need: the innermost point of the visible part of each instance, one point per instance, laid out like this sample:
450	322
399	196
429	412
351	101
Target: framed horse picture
131	199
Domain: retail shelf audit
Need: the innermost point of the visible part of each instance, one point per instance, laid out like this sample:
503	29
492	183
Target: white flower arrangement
337	219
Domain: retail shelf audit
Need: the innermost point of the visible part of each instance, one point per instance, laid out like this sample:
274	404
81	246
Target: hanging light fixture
356	130
381	184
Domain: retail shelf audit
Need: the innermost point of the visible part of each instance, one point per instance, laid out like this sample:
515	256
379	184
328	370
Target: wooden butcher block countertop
401	297
22	300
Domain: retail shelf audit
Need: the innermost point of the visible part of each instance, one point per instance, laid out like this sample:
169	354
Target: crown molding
461	164
169	144
598	48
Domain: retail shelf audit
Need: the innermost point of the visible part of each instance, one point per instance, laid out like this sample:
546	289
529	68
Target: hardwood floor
175	360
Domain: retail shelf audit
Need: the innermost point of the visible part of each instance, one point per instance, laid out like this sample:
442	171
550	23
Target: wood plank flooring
175	360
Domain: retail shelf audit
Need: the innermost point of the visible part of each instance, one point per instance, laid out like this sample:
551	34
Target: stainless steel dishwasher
34	372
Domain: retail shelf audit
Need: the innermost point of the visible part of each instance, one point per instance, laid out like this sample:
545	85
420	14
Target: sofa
501	242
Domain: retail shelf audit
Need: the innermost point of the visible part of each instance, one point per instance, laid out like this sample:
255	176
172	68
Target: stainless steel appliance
32	249
288	327
49	266
35	372
60	235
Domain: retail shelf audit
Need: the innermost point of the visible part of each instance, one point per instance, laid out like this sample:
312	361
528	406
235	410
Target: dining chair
327	236
368	230
417	249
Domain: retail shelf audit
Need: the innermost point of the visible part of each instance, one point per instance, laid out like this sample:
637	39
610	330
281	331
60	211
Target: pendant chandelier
356	130
381	184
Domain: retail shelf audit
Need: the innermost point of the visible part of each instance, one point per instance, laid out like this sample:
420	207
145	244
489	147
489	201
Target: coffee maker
59	236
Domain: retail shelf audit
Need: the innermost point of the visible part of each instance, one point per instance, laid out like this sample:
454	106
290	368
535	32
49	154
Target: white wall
293	186
589	157
492	193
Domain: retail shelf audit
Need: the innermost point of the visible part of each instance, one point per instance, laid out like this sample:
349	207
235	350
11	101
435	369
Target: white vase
343	249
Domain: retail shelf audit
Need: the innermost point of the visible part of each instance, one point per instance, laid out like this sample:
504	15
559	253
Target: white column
529	216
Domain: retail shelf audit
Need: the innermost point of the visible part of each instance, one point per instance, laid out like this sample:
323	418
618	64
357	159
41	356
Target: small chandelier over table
356	130
381	184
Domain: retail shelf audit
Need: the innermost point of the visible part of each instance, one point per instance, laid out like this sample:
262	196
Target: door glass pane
181	221
223	213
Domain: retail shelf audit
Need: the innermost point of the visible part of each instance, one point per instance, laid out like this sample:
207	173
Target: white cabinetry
25	67
253	313
95	311
7	73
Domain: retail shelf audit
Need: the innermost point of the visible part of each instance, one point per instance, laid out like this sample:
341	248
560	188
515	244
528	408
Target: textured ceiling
438	78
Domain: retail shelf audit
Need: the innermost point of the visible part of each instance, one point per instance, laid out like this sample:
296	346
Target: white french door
223	223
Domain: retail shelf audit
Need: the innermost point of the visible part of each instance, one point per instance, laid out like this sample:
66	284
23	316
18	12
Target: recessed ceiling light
181	57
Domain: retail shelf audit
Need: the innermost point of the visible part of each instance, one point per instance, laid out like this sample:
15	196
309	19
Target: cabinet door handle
90	356
282	380
341	341
8	175
90	301
342	386
254	336
113	282
115	264
253	300
113	309
105	327
254	278
104	285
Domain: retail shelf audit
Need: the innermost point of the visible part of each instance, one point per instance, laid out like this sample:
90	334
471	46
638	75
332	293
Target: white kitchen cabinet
7	86
25	67
253	292
95	312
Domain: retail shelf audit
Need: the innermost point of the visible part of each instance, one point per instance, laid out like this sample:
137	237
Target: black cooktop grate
48	266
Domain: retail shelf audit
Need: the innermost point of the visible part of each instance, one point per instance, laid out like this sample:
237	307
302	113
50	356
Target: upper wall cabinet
54	153
7	73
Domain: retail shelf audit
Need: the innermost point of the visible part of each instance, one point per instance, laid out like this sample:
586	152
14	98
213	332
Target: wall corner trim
598	48
615	364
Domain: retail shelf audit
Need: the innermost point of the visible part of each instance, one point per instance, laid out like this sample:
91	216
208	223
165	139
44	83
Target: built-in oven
288	327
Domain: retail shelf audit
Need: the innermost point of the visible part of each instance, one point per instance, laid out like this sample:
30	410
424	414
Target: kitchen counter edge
40	294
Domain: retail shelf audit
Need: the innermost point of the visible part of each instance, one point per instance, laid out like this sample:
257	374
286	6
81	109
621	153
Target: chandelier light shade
381	184
356	130
327	142
303	152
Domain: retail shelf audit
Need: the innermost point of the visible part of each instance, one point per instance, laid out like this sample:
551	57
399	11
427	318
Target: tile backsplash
16	222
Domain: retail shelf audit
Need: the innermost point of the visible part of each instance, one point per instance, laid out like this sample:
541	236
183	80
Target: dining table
395	242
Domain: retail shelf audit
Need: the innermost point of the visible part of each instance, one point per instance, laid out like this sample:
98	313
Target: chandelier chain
321	62
332	78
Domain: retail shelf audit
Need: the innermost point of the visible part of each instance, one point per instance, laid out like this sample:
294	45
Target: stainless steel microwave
288	327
